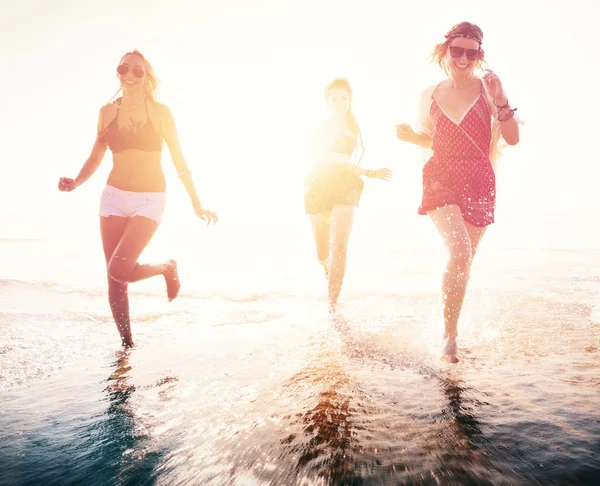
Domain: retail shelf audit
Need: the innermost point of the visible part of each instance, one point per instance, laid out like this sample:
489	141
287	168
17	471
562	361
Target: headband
466	36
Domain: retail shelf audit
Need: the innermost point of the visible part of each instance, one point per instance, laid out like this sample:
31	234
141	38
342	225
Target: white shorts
127	204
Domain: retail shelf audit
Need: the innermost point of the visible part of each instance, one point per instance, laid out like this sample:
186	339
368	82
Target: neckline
459	120
121	131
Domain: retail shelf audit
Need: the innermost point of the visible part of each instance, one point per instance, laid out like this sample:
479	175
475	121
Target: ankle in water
449	349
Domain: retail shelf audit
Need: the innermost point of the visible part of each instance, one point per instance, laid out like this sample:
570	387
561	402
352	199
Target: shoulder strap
483	95
105	126
157	110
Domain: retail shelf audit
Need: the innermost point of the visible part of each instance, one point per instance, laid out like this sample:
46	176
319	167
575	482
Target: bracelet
500	107
371	174
183	173
507	117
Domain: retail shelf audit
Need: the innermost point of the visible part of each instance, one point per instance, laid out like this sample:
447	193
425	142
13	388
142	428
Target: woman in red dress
462	119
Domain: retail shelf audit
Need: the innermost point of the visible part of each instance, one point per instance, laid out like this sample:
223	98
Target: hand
383	174
493	86
205	215
405	133
66	184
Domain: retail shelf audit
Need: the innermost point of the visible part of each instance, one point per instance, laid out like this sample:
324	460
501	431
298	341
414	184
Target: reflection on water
329	426
460	420
458	442
328	440
337	439
123	446
271	391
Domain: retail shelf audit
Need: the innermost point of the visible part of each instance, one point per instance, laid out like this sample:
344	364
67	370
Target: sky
245	82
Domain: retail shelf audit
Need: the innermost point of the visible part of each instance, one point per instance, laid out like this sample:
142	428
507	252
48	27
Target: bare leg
172	279
112	229
321	231
461	240
475	235
123	268
341	220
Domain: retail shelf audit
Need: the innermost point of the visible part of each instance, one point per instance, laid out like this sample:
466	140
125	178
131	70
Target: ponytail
352	125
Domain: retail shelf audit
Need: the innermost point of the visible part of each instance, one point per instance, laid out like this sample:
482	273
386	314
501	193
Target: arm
181	166
91	164
504	114
508	127
405	133
381	174
363	172
421	137
172	138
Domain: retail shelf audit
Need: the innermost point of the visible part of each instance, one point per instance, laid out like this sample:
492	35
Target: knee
340	240
322	253
461	257
339	249
119	270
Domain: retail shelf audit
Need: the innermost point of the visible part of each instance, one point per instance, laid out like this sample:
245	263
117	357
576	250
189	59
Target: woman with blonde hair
133	127
462	120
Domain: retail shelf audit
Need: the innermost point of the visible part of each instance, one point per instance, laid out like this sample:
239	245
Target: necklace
132	107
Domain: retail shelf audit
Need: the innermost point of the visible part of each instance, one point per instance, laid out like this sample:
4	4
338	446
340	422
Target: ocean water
245	379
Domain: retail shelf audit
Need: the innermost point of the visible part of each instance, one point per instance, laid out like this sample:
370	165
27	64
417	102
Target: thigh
319	224
475	235
151	206
341	221
452	228
112	229
138	233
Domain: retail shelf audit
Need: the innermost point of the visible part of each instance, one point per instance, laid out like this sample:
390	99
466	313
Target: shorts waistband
116	190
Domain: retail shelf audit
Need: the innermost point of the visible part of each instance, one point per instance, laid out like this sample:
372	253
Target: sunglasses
456	52
123	69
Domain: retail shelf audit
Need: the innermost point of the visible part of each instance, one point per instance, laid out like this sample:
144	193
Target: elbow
514	140
94	161
427	141
423	140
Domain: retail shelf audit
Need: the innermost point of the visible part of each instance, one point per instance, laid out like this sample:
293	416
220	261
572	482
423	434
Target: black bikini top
146	138
344	144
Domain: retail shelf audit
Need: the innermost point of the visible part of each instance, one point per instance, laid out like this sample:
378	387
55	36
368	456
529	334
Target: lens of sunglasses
456	52
122	69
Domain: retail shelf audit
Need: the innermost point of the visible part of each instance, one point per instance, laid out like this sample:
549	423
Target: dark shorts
331	184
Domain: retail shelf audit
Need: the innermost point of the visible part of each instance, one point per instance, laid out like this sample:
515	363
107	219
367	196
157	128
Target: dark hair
464	29
351	123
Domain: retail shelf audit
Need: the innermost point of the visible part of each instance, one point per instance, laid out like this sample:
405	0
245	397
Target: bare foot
332	307
172	279
126	338
449	349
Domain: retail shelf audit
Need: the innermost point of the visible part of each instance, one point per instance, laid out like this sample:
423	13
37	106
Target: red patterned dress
460	171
